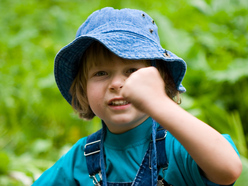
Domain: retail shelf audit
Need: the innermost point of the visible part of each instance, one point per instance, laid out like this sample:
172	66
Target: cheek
96	100
90	93
95	95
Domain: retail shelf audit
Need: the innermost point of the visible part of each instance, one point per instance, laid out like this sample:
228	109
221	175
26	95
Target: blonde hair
90	58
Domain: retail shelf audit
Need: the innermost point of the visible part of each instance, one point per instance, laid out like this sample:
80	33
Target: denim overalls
151	163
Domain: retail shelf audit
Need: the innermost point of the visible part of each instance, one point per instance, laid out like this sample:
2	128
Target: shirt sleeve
64	171
182	169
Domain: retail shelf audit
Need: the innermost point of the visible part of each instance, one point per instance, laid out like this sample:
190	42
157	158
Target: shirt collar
137	135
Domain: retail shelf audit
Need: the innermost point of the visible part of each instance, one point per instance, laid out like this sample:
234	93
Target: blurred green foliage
37	125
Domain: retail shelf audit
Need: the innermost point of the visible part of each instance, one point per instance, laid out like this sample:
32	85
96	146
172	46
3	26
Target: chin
128	121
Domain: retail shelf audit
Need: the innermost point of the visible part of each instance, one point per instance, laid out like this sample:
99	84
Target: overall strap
162	161
92	153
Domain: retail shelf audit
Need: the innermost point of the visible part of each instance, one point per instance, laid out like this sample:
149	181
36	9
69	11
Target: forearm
211	151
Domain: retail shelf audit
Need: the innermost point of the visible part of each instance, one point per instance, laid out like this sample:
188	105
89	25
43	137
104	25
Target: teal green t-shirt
124	154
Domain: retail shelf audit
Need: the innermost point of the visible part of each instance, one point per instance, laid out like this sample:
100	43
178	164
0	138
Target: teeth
119	102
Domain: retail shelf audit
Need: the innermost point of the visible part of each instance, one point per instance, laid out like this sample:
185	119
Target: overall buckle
91	143
96	179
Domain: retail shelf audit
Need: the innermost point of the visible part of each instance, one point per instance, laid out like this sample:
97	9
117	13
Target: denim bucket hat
128	33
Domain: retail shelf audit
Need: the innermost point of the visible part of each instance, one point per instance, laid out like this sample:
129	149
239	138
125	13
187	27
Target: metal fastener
166	54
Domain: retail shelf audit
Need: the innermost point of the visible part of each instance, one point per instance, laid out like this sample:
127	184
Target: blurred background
37	125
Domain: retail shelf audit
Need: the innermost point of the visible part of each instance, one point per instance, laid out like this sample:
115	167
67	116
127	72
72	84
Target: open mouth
118	102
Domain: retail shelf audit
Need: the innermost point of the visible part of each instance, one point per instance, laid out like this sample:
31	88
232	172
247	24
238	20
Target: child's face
104	83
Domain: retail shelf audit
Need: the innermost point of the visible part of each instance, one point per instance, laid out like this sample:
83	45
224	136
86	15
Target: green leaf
4	165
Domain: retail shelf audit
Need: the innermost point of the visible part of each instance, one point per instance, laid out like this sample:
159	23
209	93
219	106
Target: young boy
117	70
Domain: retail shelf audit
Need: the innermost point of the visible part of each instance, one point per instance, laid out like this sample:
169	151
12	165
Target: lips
118	102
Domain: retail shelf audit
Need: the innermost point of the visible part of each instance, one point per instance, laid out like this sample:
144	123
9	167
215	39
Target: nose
117	83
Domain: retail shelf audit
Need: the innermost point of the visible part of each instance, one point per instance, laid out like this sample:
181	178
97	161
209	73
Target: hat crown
114	20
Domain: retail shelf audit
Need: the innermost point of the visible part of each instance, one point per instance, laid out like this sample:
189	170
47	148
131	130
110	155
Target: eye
101	73
131	70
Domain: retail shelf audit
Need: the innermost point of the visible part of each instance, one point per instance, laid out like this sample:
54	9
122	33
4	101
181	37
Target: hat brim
125	45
